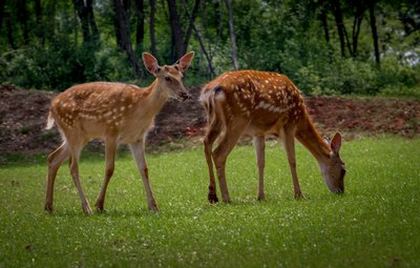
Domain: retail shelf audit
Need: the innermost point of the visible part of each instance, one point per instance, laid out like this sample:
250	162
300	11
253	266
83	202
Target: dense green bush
61	65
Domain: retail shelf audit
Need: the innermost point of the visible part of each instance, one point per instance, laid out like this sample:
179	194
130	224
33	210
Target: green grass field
375	223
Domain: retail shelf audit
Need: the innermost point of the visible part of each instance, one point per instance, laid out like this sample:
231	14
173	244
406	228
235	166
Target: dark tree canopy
325	46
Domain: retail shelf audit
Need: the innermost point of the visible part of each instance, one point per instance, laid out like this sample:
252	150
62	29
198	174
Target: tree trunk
335	4
323	17
140	25
87	20
2	2
9	26
232	35
358	17
82	12
153	44
39	24
92	23
176	30
192	17
122	32
374	31
200	41
22	16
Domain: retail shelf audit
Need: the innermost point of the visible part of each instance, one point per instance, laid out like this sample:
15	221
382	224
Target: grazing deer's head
170	76
334	171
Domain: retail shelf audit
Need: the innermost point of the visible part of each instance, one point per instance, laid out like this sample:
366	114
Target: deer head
334	170
169	77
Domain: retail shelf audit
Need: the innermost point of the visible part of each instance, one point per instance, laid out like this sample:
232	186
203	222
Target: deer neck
156	97
309	136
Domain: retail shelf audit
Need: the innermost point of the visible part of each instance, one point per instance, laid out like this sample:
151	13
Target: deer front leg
110	150
259	143
55	160
289	145
137	150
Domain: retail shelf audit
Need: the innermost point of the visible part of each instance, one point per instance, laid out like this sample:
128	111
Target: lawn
375	223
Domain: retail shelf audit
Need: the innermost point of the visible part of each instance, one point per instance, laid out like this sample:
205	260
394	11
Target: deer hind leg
110	150
209	139
220	154
289	145
259	142
137	150
55	160
74	171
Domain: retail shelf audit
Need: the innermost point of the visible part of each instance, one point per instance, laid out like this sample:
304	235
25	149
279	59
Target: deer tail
50	121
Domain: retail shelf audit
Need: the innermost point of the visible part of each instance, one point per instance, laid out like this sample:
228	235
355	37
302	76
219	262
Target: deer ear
150	63
336	143
185	61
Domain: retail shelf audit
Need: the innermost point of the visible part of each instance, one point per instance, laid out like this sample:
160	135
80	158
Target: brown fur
116	113
258	104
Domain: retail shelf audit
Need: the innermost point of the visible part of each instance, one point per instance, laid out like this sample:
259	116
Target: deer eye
167	78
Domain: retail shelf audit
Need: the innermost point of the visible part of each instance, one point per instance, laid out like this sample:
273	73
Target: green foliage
62	64
281	36
374	224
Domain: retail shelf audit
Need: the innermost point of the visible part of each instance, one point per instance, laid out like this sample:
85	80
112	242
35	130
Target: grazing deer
117	113
260	104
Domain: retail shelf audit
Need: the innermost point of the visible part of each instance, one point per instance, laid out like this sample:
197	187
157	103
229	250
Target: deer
117	113
261	104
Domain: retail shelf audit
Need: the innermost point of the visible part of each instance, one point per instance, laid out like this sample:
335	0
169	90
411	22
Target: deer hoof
48	208
299	196
87	210
212	197
261	197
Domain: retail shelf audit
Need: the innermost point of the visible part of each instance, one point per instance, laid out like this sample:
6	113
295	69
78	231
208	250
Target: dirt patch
23	116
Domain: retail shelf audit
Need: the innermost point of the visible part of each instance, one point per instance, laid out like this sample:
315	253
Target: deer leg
55	160
110	149
221	153
137	150
289	145
210	138
259	142
74	170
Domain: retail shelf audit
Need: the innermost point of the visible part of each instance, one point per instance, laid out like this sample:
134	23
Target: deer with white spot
117	113
260	104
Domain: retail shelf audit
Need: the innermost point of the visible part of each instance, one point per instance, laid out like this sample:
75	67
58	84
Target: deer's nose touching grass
117	113
240	102
260	104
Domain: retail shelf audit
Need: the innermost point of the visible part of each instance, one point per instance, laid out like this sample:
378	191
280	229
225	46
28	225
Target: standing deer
117	113
260	104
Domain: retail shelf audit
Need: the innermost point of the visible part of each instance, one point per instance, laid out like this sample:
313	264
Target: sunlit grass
375	223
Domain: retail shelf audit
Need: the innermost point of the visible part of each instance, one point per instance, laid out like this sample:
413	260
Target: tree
2	2
372	19
177	35
152	32
140	24
338	15
232	35
87	20
122	31
357	21
22	16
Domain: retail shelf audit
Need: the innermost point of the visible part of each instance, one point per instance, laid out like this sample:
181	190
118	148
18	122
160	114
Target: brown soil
23	117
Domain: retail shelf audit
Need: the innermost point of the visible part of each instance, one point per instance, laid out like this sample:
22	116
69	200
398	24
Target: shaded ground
23	116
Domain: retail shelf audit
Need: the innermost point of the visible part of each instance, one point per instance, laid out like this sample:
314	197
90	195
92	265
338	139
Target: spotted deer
117	113
260	104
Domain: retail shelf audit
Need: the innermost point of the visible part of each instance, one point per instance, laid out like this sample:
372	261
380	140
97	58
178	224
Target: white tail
50	121
260	104
116	113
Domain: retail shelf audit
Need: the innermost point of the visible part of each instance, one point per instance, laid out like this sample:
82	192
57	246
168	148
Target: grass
375	223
